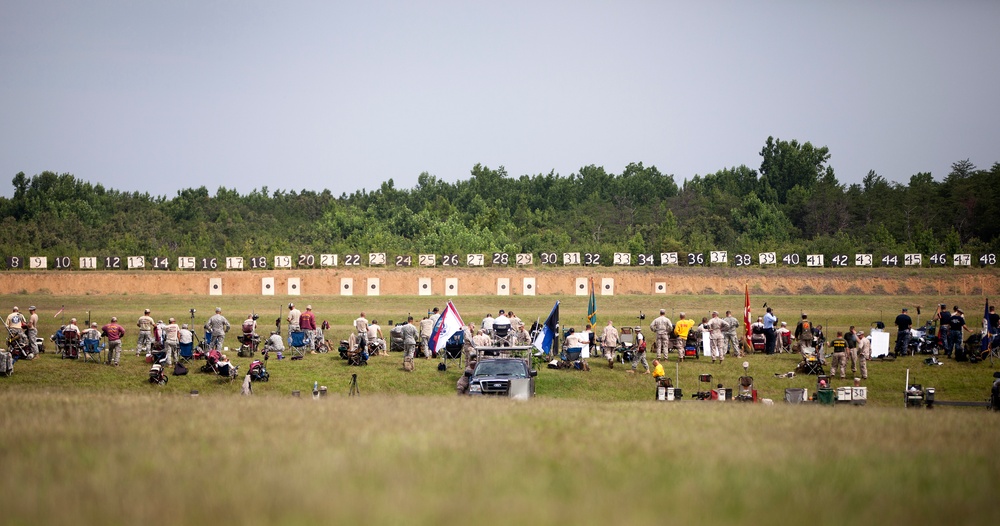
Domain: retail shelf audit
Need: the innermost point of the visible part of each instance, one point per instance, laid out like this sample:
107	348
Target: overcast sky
158	96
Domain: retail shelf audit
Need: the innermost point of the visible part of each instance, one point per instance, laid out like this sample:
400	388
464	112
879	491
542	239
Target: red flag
746	316
60	311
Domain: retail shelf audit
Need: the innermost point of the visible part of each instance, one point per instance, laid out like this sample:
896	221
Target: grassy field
153	459
91	444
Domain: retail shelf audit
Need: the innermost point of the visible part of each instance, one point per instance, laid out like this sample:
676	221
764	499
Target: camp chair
502	335
746	391
187	351
92	346
810	362
626	345
795	395
71	345
297	342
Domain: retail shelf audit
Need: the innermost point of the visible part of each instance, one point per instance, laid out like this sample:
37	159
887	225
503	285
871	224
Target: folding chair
502	335
795	395
298	343
747	391
71	345
626	342
187	351
90	348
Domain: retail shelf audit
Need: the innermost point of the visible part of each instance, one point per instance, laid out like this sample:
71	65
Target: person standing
639	356
769	333
661	328
426	330
609	342
218	326
144	344
864	354
943	317
409	343
293	318
114	333
851	337
732	341
804	334
307	323
681	331
839	345
171	341
957	325
715	326
32	330
903	323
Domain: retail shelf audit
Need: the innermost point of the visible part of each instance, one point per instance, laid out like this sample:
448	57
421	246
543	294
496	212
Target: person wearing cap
72	327
218	326
410	336
639	356
732	341
273	343
770	334
293	318
172	342
32	330
783	337
661	328
307	323
184	335
956	325
839	358
903	323
804	334
718	341
15	324
114	333
144	343
681	331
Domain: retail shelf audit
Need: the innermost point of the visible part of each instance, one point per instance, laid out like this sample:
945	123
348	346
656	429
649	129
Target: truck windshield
494	368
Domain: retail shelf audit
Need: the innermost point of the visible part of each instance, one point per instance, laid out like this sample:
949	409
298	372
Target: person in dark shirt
839	345
957	324
903	323
943	318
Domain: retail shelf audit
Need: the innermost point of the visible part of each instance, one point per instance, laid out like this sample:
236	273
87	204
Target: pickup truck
508	377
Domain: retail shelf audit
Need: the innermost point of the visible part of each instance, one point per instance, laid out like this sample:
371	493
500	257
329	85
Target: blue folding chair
297	342
187	351
91	347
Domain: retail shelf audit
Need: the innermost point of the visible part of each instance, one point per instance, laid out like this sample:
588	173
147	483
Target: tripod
354	386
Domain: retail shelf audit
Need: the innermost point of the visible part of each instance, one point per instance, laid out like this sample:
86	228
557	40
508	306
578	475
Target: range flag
62	308
447	325
746	316
592	306
543	341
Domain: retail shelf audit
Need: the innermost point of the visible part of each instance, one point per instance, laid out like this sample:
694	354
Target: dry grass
148	459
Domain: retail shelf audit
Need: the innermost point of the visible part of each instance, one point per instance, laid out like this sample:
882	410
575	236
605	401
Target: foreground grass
164	459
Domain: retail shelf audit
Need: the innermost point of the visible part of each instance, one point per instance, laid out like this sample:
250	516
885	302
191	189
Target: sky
155	97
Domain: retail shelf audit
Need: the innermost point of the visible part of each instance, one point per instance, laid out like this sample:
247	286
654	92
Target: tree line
792	203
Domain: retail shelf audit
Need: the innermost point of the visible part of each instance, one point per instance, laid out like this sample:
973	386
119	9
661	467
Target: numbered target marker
209	263
839	260
258	262
695	259
768	258
645	260
524	259
814	260
306	261
135	262
427	260
376	259
743	260
571	258
719	257
112	262
939	259
352	260
668	258
38	262
88	263
890	260
962	260
234	263
328	260
404	261
987	259
549	258
374	287
63	263
591	259
282	261
913	260
791	259
622	258
15	262
863	260
475	260
449	260
500	259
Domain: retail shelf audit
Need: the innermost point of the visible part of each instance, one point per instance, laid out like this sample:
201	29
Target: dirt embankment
515	281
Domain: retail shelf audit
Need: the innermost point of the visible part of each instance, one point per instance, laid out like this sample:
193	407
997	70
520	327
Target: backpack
248	326
642	346
806	327
180	370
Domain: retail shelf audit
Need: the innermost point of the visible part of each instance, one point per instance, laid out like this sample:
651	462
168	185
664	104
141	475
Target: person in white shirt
375	336
488	323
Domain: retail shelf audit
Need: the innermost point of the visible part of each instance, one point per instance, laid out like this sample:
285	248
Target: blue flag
988	330
543	341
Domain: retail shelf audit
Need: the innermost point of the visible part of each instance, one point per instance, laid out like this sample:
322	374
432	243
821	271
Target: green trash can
826	396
